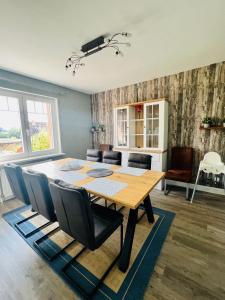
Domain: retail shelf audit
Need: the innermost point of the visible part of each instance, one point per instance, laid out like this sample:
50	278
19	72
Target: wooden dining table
132	195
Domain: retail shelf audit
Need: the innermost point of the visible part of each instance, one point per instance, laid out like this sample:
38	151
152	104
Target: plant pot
206	125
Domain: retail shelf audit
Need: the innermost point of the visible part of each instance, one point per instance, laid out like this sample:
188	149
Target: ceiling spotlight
95	46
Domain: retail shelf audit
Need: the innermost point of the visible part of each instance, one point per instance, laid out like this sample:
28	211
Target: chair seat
105	222
179	175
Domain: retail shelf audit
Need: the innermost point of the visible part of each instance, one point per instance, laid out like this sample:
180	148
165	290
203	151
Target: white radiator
5	190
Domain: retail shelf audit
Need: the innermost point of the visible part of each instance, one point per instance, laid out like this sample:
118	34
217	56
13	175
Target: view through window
11	141
28	125
40	125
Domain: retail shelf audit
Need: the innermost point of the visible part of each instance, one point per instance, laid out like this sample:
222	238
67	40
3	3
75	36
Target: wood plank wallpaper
192	95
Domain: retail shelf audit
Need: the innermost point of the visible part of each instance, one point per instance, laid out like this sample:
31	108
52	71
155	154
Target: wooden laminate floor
191	264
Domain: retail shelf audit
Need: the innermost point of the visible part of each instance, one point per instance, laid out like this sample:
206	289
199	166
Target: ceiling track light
75	61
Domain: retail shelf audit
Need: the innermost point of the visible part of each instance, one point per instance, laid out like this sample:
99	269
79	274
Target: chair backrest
15	178
39	194
182	158
94	155
212	158
112	157
139	160
105	147
73	211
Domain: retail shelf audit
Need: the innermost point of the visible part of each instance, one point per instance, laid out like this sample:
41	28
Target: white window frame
23	98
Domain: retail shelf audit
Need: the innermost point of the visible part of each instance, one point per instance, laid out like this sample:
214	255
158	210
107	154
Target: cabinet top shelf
142	102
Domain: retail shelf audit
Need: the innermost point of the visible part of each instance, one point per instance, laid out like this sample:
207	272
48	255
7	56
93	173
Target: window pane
3	103
38	107
11	142
30	106
40	125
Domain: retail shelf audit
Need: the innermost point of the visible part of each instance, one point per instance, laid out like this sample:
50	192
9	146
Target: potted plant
215	122
206	122
224	122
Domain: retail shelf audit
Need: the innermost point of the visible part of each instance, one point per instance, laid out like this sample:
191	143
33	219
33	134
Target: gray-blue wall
74	110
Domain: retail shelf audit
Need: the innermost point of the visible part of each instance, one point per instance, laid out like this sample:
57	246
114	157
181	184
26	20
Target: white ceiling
168	36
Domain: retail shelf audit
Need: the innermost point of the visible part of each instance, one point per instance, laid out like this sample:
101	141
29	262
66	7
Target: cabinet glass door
122	127
152	126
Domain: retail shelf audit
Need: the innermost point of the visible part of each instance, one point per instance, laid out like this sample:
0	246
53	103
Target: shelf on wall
212	128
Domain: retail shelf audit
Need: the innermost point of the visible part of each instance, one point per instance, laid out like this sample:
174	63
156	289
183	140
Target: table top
131	196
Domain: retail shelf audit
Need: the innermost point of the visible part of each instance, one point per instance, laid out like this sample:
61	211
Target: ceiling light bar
94	46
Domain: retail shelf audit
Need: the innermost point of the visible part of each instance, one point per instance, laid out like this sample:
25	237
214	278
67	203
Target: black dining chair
94	155
112	157
41	201
139	160
17	184
142	161
89	223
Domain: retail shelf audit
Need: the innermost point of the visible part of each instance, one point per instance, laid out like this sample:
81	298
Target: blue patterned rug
147	245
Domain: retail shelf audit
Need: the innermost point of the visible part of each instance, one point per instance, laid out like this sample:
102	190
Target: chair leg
165	187
187	191
90	295
46	236
166	192
196	182
26	235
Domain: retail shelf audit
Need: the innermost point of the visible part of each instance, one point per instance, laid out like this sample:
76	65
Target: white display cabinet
142	127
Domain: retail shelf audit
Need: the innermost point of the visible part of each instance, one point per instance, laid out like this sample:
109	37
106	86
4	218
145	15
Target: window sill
32	159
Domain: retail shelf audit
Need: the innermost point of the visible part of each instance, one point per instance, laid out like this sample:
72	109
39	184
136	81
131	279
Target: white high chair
211	163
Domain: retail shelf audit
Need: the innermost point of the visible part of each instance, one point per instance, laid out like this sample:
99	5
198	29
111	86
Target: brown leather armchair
181	167
105	147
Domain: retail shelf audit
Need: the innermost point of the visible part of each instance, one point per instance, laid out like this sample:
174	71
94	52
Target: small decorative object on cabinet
143	127
224	122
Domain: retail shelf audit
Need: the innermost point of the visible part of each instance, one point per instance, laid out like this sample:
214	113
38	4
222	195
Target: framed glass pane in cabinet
155	141
122	140
122	128
149	141
149	111
155	127
155	110
122	114
149	127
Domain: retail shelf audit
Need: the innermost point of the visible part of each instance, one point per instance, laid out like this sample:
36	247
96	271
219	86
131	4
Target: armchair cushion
179	175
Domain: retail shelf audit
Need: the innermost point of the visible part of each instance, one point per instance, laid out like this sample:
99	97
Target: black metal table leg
148	209
128	241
